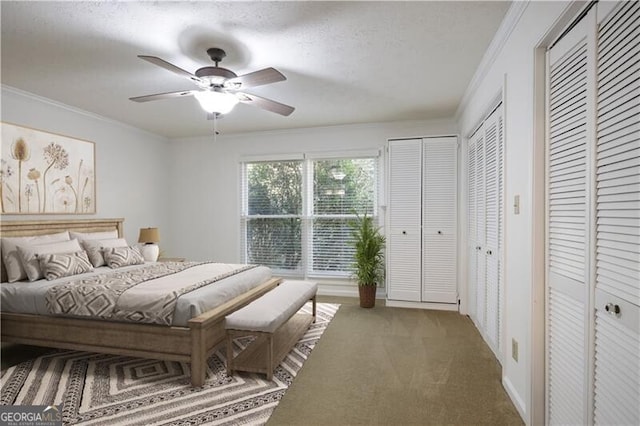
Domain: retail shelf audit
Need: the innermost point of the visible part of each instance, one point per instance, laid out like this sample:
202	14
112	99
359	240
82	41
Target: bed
191	342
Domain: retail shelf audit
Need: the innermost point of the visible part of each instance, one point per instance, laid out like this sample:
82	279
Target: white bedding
30	297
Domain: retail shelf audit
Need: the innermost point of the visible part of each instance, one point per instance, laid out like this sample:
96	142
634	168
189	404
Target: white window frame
307	217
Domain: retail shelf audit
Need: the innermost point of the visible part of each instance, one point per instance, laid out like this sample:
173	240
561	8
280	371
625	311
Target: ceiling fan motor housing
215	76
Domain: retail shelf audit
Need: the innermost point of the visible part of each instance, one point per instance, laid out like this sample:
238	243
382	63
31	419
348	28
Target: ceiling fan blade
265	103
170	67
253	79
166	95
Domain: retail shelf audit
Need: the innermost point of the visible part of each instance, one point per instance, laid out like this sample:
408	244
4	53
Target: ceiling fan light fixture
220	102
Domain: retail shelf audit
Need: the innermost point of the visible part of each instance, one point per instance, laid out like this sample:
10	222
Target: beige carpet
392	366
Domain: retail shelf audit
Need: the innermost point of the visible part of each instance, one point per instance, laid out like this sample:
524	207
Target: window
272	222
297	214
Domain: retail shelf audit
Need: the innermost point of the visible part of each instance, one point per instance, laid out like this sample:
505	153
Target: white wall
205	177
132	166
513	68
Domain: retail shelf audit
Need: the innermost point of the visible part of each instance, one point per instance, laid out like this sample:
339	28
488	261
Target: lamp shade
212	101
149	235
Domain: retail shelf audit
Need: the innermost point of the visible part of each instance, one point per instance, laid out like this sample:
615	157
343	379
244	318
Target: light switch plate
516	204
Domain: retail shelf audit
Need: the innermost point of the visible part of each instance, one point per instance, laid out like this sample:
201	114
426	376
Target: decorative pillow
55	266
11	258
103	235
94	249
30	254
117	257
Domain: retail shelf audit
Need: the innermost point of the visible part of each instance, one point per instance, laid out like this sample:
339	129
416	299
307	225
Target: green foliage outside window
275	224
275	188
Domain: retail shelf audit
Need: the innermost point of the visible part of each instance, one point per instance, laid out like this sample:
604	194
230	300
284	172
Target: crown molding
328	129
75	110
507	26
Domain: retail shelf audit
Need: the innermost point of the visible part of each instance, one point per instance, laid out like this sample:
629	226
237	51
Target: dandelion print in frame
46	173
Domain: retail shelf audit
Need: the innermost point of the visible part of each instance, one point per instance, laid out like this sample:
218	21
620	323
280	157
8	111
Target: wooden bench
272	319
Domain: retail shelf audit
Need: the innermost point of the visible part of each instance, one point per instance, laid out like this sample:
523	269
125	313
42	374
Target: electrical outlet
514	349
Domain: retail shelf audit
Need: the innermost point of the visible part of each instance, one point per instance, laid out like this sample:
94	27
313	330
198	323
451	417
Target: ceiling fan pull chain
215	127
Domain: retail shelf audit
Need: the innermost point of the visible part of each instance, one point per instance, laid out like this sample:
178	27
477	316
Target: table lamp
150	237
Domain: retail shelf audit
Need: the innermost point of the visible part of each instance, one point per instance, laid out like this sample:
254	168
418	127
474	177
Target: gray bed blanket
97	296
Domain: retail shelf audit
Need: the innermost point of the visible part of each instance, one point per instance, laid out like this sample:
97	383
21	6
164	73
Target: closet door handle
439	232
612	309
489	252
478	248
404	232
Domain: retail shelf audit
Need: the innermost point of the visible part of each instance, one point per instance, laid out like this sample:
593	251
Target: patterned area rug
97	389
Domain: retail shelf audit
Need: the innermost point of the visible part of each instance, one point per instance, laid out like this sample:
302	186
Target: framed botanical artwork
46	173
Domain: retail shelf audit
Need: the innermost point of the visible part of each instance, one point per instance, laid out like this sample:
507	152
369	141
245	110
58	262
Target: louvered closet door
481	288
439	220
405	216
491	250
472	269
568	226
500	241
617	302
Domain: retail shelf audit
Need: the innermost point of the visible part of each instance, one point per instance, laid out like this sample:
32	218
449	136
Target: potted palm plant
368	259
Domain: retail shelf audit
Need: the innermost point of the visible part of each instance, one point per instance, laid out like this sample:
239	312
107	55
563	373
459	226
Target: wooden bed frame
194	344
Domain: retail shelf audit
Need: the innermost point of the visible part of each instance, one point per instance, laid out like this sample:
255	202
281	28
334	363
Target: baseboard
421	305
515	398
341	290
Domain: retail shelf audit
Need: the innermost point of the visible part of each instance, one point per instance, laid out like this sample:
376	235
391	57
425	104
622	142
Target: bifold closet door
617	284
476	227
492	250
480	257
472	266
570	144
593	311
404	253
439	220
485	170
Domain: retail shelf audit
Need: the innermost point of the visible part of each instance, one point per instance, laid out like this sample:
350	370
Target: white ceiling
345	62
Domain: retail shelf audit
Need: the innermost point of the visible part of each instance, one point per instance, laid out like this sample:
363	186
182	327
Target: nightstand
171	259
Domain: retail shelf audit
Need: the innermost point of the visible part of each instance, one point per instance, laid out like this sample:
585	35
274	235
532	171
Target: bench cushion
273	309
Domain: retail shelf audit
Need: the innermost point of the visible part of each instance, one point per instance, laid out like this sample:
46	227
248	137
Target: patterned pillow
55	266
30	254
11	257
94	249
117	257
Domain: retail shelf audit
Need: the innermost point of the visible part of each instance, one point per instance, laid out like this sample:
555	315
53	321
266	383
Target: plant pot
367	295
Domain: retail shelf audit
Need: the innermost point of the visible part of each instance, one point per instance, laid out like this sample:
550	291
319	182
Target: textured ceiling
345	62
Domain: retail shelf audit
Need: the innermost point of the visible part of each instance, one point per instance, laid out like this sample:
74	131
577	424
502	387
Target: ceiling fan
219	88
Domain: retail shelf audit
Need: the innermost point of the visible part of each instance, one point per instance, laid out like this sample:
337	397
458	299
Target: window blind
272	214
342	190
297	215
